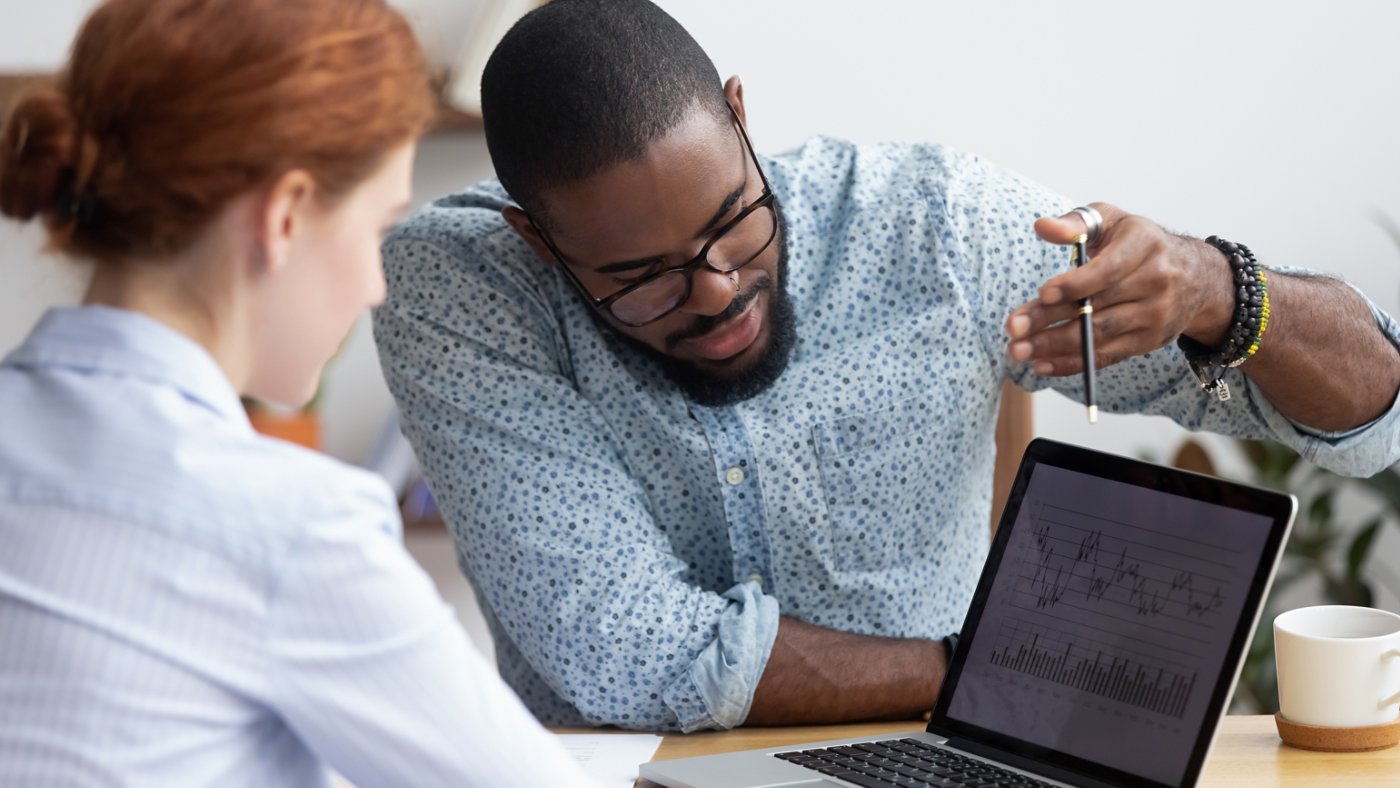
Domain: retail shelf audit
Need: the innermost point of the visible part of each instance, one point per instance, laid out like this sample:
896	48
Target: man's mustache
707	323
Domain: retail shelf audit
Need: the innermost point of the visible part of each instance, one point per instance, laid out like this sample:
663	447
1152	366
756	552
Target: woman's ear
520	222
734	94
282	218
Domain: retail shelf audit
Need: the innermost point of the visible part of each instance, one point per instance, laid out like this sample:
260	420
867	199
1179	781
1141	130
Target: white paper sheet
612	759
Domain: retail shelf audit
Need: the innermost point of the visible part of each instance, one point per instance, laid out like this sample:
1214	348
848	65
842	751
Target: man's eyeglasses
736	244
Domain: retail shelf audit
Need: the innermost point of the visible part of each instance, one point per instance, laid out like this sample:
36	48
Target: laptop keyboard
905	762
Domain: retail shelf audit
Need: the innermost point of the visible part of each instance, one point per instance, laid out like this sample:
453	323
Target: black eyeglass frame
687	269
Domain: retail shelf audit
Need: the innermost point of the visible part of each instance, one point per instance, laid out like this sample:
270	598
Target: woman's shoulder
288	488
252	499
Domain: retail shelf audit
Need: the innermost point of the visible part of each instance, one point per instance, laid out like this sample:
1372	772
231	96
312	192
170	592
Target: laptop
1100	649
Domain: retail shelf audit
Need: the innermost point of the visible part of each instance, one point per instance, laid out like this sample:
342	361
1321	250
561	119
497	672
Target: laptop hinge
1022	762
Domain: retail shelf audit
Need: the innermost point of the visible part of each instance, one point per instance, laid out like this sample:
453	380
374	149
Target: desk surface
1247	753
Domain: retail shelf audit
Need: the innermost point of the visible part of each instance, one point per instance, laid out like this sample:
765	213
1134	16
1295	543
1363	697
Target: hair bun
37	153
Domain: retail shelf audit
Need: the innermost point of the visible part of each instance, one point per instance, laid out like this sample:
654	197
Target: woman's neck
192	297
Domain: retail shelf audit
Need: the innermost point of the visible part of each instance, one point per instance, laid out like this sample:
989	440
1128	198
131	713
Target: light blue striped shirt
184	602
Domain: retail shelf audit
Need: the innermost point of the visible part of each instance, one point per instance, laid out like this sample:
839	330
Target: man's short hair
579	86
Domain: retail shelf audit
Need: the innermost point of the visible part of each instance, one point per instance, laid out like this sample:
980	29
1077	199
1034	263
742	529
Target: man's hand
1147	287
1324	362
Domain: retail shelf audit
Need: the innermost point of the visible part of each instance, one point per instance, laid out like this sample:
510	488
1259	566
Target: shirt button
734	475
755	577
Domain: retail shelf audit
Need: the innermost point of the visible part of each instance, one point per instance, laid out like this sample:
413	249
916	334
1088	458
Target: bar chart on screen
1118	611
1148	682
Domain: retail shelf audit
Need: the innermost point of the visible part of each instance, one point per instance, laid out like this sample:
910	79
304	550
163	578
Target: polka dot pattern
633	551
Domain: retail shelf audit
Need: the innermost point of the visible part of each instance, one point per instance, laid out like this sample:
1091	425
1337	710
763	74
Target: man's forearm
1323	361
818	675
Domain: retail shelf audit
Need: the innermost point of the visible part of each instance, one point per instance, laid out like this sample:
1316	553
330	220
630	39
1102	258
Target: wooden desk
1247	753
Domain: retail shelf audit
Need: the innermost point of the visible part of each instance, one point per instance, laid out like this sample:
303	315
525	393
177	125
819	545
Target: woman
183	602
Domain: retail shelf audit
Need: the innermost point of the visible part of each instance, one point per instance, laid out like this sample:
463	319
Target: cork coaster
1313	737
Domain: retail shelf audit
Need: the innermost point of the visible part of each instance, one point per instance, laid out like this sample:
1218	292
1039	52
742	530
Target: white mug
1338	666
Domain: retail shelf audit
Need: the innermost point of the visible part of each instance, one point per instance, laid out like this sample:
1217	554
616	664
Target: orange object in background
301	427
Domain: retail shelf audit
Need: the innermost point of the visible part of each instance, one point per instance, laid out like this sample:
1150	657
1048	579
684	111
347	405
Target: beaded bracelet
1249	322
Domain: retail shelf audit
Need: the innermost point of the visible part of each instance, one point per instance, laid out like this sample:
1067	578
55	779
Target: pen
1079	257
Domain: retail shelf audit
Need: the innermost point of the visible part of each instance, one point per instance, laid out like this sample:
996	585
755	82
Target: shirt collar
123	343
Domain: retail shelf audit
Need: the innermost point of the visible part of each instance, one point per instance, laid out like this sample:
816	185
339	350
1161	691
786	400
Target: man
713	432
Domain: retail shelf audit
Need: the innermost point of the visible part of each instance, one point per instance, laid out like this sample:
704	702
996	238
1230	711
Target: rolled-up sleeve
555	532
1360	451
716	690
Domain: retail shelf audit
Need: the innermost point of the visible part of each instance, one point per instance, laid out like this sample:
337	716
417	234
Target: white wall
1272	124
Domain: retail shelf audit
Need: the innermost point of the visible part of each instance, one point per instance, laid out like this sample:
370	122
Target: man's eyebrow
724	209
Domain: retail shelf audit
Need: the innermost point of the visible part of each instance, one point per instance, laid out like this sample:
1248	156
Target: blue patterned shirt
633	551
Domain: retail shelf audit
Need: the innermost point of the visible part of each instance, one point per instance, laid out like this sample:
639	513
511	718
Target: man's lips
729	339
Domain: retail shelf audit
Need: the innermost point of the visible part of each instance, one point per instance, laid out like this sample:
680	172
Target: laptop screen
1109	623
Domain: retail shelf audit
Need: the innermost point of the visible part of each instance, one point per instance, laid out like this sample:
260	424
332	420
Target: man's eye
634	275
637	274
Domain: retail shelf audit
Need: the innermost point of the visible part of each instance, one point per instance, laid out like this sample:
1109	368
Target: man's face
623	224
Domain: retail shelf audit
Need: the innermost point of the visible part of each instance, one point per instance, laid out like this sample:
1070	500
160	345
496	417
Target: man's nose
710	292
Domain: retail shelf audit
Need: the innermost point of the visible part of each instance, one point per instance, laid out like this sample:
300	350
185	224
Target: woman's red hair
169	109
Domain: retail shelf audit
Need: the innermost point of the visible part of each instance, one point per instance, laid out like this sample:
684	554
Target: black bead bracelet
1247	326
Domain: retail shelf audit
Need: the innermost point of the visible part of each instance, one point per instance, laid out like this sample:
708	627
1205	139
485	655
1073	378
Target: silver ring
1093	222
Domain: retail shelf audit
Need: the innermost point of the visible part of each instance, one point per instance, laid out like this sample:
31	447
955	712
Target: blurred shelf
14	85
450	118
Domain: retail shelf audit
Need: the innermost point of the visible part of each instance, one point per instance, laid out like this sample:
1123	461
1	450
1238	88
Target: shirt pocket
877	469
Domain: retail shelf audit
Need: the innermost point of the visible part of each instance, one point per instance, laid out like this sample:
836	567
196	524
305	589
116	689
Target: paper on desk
611	759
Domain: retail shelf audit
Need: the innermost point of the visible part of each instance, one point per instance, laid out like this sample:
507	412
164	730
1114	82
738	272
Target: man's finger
1064	229
1111	265
1112	352
1064	338
1037	314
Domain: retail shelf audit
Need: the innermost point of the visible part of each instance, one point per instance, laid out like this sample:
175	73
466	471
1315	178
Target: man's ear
281	217
520	222
734	94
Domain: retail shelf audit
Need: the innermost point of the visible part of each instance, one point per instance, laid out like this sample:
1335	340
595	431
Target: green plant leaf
1257	675
1285	460
1272	462
1323	546
1320	511
1255	452
1385	484
1284	579
1310	547
1348	591
1360	548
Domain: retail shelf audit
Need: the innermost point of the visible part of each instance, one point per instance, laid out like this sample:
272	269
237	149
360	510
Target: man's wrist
950	647
1216	294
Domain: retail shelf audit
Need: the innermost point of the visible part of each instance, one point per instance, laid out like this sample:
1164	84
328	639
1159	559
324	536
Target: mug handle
1393	699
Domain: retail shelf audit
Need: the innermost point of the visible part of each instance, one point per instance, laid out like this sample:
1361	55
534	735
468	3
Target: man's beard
704	387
